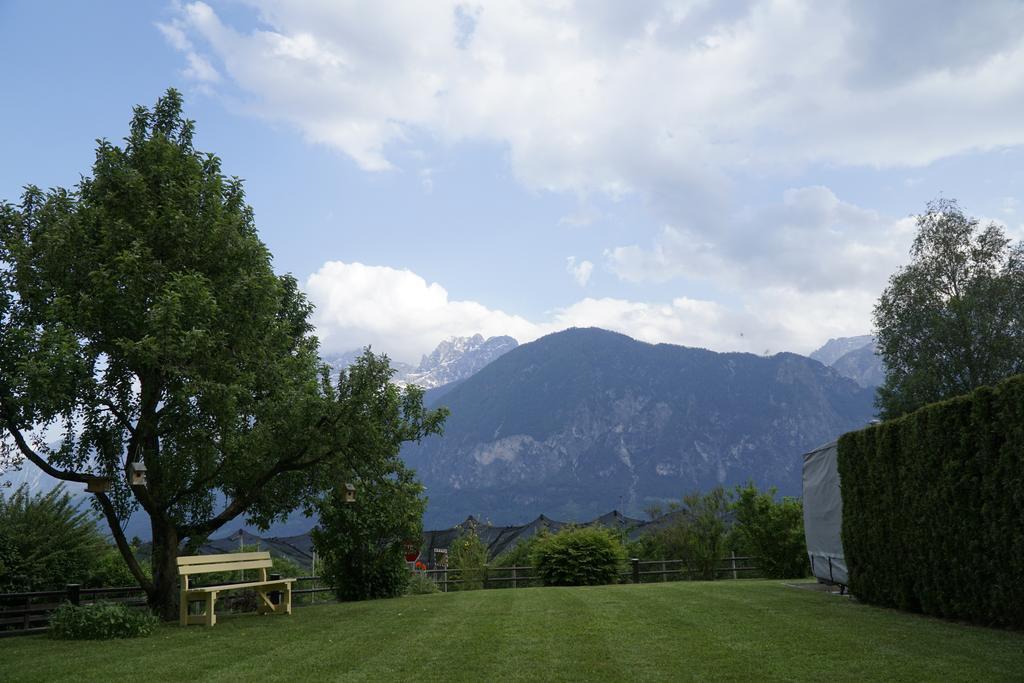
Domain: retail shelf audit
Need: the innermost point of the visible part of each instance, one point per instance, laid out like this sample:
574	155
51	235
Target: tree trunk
163	599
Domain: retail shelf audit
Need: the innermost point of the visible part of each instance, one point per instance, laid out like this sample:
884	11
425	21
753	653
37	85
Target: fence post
636	569
734	565
275	596
514	577
74	591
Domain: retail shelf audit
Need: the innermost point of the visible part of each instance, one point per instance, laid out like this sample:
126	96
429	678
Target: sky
736	176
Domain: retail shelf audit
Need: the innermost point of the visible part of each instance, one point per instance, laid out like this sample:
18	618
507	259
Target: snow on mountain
454	359
458	358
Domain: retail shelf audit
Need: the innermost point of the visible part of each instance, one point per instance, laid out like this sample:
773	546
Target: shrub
933	508
468	556
771	530
47	540
579	556
100	621
110	569
519	556
362	543
420	584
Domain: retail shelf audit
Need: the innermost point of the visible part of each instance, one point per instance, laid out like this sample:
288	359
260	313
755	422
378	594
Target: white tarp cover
823	515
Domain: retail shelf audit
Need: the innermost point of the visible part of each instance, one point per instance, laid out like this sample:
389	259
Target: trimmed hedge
933	508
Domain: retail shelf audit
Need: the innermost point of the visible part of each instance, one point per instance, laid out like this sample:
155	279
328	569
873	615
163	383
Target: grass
728	630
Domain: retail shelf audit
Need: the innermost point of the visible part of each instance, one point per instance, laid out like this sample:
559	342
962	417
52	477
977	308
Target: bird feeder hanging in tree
97	485
136	474
350	493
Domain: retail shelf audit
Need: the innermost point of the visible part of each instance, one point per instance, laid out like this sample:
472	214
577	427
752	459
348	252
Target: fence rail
638	571
29	612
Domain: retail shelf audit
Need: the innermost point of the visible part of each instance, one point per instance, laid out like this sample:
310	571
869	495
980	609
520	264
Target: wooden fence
29	612
634	571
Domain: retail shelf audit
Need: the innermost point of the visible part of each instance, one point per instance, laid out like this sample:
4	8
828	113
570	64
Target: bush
110	569
467	555
579	556
420	584
933	508
46	540
100	621
772	531
361	544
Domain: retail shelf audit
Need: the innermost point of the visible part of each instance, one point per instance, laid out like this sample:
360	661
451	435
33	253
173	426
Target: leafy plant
46	540
361	544
953	319
420	584
468	556
933	508
100	621
771	530
579	556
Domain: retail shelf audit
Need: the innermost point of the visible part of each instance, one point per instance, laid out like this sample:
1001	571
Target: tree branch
38	460
122	544
121	417
238	505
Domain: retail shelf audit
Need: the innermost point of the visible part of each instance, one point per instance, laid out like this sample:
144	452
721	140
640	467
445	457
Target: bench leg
211	601
287	596
183	609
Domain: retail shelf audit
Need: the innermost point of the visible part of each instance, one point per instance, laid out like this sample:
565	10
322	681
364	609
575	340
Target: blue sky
738	177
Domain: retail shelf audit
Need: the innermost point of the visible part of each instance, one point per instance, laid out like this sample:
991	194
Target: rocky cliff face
458	358
586	420
834	349
854	357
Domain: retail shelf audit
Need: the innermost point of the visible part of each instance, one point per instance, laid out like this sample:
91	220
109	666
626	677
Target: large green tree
953	319
141	321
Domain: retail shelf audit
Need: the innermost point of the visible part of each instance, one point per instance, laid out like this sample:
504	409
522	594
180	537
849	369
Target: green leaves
933	505
772	531
46	541
140	313
579	556
953	319
100	621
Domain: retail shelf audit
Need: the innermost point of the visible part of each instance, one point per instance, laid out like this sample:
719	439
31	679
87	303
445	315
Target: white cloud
201	70
398	312
580	272
620	97
811	241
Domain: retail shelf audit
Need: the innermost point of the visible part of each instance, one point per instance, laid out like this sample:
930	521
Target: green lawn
728	630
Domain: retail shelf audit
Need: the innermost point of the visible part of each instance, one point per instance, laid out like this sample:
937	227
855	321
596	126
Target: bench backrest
230	562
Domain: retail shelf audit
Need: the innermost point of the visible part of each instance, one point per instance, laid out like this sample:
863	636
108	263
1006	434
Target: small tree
361	543
468	555
771	530
707	534
953	319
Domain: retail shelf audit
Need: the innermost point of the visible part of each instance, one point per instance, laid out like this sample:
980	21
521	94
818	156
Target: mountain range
586	419
453	360
854	357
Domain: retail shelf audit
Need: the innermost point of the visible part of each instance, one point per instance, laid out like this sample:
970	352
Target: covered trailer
823	515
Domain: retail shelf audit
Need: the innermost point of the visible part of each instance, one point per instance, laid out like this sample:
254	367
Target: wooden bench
206	564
